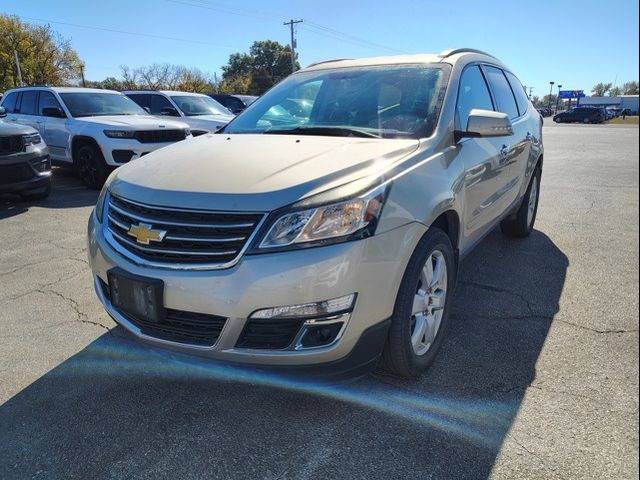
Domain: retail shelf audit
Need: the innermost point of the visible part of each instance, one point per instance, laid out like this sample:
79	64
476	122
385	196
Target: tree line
47	58
601	89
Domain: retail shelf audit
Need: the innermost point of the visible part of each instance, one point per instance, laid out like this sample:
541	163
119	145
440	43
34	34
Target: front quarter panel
429	185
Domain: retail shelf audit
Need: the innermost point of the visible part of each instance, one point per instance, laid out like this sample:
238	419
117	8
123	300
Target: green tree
615	92
630	88
266	64
600	89
45	56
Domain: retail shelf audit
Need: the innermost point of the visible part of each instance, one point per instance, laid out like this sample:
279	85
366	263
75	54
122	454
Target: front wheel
521	225
421	312
91	167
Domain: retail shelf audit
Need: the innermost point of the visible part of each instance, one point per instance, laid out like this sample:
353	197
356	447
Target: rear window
518	90
506	103
29	103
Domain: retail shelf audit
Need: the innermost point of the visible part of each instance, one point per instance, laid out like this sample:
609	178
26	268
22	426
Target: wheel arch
78	141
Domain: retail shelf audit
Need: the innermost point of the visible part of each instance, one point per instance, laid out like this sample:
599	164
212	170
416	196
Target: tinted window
9	102
518	90
47	100
29	103
473	93
158	102
143	100
88	104
338	102
506	103
192	105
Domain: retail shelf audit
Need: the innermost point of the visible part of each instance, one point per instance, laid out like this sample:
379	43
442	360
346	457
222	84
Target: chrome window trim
142	262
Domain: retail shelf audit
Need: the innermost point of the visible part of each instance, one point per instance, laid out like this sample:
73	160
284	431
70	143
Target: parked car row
94	130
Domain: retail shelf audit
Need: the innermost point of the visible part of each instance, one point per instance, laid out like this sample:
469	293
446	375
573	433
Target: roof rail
453	51
328	61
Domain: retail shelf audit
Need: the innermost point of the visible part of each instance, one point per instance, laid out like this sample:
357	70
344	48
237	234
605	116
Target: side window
9	102
141	99
518	90
158	102
473	93
47	100
29	103
506	103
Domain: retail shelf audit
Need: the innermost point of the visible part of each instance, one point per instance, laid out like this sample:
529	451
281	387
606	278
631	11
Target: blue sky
574	43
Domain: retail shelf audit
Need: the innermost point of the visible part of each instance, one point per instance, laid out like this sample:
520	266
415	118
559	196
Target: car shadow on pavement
67	191
121	410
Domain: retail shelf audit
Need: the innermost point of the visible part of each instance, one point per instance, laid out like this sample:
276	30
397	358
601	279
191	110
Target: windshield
89	104
192	105
400	101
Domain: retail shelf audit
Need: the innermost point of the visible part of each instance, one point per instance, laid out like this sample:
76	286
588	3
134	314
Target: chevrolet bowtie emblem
145	234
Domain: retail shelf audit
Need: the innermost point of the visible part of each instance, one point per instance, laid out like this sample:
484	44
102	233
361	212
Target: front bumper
372	268
24	171
134	148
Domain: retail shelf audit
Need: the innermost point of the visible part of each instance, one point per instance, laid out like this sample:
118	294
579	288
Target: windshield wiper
330	131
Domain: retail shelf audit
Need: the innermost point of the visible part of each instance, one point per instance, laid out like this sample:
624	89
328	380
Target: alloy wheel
429	302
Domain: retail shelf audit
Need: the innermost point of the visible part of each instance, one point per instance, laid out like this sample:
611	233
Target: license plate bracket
141	297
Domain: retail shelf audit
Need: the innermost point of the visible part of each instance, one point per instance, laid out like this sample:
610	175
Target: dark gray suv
25	167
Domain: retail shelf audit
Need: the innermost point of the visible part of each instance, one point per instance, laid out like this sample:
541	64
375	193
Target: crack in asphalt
535	455
82	317
532	314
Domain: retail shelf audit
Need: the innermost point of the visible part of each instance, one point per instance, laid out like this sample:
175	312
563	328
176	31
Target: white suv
93	130
201	112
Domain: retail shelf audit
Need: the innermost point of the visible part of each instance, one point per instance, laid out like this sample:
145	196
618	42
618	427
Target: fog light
307	310
320	335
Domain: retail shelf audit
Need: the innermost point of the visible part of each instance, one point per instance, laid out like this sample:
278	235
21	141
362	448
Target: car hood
9	129
253	172
133	122
208	122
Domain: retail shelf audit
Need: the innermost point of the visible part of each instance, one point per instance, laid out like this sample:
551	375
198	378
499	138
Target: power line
342	36
104	29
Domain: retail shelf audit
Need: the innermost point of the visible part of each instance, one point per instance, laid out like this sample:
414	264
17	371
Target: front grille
192	236
11	144
269	334
160	136
178	325
17	172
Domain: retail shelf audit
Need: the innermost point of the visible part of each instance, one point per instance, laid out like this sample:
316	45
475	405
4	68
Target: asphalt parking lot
538	377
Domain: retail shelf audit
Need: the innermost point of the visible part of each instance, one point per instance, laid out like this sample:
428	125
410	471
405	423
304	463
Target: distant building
623	101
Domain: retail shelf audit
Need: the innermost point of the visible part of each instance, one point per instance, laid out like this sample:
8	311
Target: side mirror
169	112
147	109
53	112
486	123
3	112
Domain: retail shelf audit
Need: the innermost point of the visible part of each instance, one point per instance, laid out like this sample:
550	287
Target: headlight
119	133
31	139
100	203
340	221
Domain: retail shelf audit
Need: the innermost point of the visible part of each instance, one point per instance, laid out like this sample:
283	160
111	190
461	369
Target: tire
522	224
38	193
401	356
90	166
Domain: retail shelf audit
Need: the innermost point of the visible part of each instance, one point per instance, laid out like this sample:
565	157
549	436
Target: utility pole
291	24
15	53
551	84
82	74
558	98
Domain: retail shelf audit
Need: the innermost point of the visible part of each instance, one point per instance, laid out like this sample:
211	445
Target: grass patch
626	121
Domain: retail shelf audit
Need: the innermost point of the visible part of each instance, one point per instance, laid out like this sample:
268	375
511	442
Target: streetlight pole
551	84
558	98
